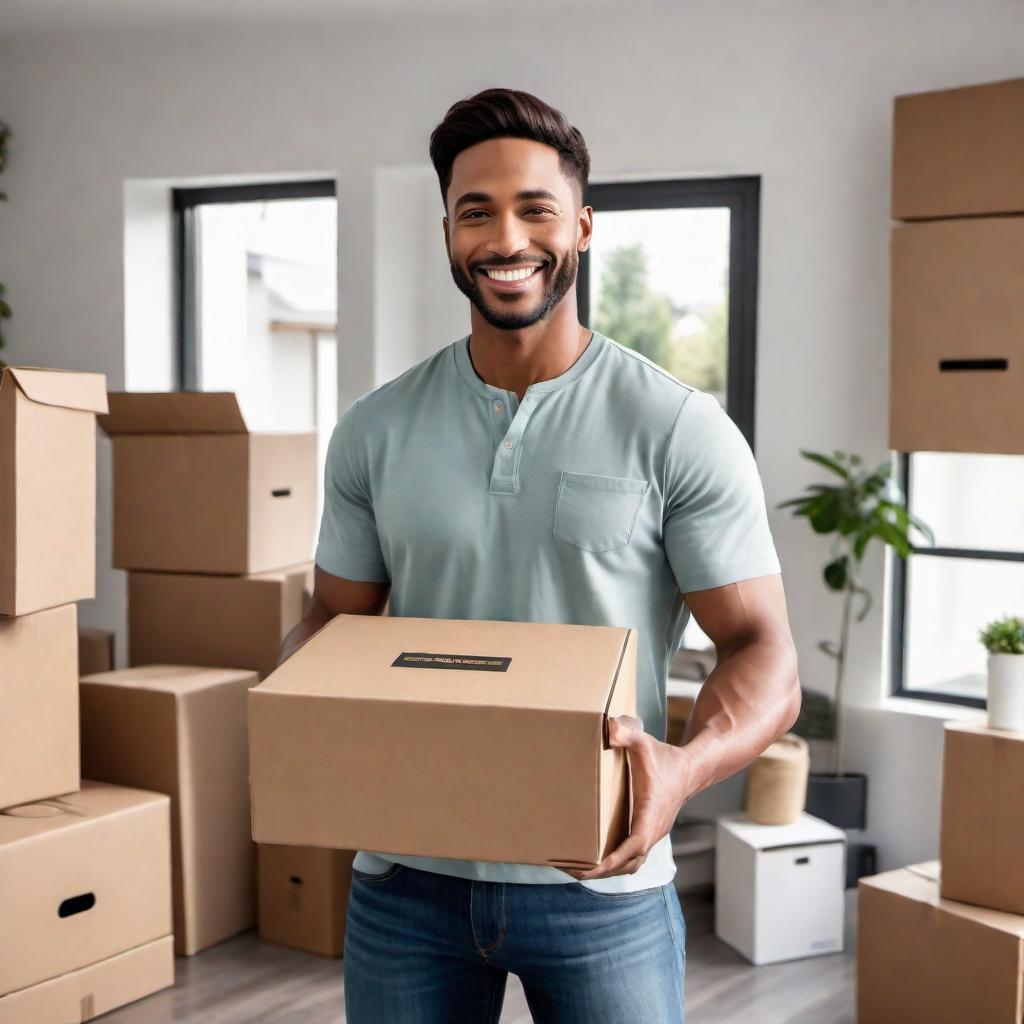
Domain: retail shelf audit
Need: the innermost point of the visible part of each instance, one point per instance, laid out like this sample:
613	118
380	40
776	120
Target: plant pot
841	800
861	861
1006	691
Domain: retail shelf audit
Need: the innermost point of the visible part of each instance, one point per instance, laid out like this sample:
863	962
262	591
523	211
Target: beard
513	320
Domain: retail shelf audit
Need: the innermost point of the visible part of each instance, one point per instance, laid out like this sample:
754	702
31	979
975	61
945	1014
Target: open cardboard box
48	486
195	491
482	740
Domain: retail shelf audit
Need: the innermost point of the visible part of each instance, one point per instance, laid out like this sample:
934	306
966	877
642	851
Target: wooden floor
243	980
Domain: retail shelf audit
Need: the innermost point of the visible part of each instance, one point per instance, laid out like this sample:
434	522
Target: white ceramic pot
1006	691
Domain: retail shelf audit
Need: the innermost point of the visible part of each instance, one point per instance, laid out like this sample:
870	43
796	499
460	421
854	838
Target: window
257	302
672	273
943	596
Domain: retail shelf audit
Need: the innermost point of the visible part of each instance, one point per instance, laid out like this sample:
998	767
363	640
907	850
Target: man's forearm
750	699
316	617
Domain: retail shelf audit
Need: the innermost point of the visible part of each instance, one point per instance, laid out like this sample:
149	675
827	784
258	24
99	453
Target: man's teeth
510	275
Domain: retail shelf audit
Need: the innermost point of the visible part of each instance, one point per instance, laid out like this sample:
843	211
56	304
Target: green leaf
824	513
835	574
824	460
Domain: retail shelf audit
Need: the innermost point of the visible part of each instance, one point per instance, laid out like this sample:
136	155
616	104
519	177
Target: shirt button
498	406
508	444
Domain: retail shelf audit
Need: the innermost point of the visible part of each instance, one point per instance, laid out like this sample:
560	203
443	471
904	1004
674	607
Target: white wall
800	94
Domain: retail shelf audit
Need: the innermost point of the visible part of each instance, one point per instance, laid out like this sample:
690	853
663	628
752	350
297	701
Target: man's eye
538	209
472	213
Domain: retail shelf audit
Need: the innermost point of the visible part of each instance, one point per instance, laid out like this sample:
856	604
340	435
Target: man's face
499	220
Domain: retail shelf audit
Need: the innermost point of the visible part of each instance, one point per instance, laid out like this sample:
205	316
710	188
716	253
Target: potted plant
1004	641
860	507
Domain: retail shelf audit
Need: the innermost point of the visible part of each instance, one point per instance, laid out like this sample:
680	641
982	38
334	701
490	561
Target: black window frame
742	196
187	371
898	593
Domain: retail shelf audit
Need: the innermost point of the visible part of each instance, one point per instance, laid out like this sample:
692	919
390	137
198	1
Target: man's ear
447	244
586	228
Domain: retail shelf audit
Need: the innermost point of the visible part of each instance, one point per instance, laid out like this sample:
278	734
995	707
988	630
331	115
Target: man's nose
509	236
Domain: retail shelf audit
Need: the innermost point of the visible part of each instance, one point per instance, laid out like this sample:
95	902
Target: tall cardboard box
48	486
195	491
922	959
303	897
982	835
449	738
957	348
38	706
195	619
83	878
180	730
779	889
959	152
95	650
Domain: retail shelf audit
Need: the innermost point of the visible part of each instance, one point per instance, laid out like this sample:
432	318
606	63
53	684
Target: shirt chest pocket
597	513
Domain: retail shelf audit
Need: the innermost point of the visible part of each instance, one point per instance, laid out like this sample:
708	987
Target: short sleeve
715	525
349	545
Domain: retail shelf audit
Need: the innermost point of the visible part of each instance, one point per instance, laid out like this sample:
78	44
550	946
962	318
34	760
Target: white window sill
934	709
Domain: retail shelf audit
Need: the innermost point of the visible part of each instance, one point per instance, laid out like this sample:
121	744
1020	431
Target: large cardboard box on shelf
180	730
83	878
922	959
959	151
196	619
195	491
450	738
92	991
303	897
95	650
982	834
48	486
957	346
38	706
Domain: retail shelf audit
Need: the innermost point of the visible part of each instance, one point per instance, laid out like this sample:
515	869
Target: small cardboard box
83	877
959	151
194	491
779	888
926	960
982	836
95	650
89	992
303	897
217	621
448	738
180	730
957	346
38	706
48	486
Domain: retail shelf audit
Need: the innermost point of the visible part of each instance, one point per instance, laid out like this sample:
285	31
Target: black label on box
470	662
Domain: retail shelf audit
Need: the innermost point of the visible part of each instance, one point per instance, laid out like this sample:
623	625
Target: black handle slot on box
801	860
77	904
295	880
281	492
948	365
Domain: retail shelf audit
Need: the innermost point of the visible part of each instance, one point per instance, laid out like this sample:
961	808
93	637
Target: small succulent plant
1004	636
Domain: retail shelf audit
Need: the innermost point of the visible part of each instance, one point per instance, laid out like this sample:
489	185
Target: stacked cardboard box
214	525
99	854
957	357
944	941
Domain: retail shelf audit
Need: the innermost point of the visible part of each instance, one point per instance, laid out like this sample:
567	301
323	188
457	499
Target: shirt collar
464	365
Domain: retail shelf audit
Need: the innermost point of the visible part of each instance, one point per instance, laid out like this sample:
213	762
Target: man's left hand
661	784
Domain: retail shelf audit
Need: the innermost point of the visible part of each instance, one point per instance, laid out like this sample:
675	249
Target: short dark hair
507	113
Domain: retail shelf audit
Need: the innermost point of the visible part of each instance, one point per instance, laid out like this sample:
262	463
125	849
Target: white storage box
779	888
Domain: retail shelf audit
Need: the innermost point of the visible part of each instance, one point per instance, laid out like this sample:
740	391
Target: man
536	470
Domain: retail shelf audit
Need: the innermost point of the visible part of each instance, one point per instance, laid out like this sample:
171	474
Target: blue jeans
426	948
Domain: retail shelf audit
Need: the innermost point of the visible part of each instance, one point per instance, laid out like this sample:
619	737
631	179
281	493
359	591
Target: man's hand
661	783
